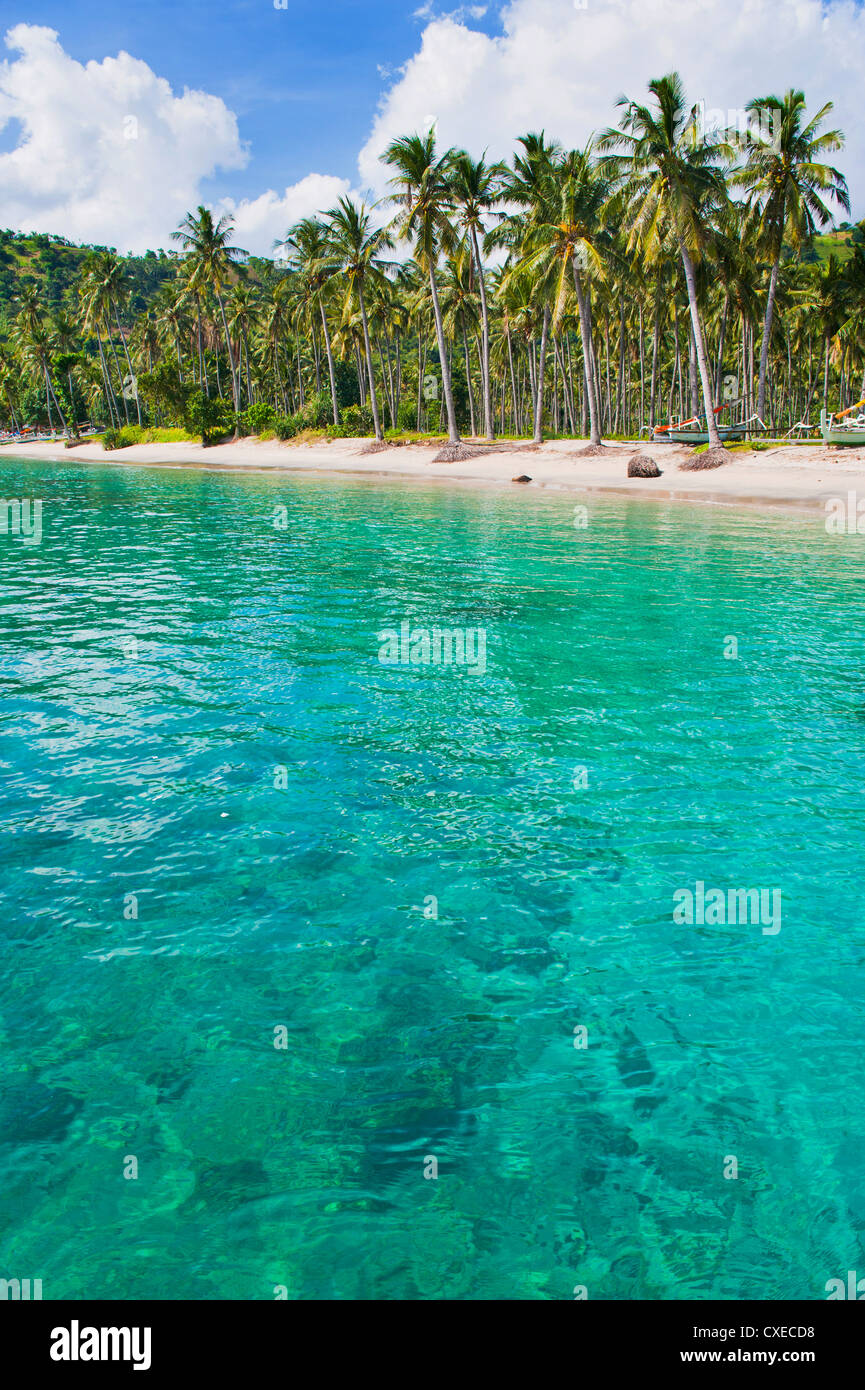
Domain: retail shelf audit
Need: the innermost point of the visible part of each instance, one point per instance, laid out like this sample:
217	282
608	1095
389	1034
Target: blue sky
272	114
303	81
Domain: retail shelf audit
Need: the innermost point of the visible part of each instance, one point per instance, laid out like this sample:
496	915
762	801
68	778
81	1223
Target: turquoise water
295	899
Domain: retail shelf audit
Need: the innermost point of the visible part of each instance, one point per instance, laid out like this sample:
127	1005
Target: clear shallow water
302	906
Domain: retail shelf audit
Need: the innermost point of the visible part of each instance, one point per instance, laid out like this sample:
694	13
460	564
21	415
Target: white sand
786	476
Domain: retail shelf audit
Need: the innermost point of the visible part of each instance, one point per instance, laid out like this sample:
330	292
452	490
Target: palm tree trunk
767	336
721	343
538	436
128	359
656	341
108	388
245	348
514	396
489	431
372	393
234	384
53	395
692	374
453	432
330	368
119	373
700	347
388	395
469	382
588	356
421	363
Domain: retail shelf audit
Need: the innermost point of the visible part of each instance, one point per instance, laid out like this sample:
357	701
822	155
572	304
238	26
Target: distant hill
53	264
839	244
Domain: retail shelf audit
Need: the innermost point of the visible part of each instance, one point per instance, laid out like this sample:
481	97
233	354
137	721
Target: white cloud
561	67
107	152
261	221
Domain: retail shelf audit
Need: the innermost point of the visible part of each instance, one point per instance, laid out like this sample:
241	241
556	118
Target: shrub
257	418
406	415
210	418
318	411
123	437
165	394
356	421
287	426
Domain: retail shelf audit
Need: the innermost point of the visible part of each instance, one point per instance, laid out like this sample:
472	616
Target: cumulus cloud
107	152
561	65
261	221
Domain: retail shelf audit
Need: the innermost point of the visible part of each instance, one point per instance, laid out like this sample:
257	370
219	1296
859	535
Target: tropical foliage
658	272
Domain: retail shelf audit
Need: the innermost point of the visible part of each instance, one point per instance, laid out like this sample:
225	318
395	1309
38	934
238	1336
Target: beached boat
845	427
696	435
694	431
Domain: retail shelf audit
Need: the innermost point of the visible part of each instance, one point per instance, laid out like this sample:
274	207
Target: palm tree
669	178
530	188
353	245
784	179
459	308
476	188
562	241
243	315
35	345
425	198
213	259
306	249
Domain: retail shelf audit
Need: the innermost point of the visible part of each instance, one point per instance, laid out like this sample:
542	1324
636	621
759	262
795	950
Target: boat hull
701	436
851	436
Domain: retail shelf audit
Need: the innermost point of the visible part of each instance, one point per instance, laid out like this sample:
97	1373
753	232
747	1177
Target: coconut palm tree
459	306
215	263
35	344
562	242
532	188
784	180
476	187
425	198
243	315
669	178
305	249
353	245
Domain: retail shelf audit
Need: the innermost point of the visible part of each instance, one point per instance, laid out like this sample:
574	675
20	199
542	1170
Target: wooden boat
838	429
694	431
701	436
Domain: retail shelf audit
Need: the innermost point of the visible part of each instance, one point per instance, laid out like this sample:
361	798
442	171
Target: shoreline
782	476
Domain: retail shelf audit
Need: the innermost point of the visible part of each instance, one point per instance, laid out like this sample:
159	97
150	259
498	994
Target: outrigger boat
838	429
694	431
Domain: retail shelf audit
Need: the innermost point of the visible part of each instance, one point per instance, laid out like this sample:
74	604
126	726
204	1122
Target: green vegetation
143	434
657	271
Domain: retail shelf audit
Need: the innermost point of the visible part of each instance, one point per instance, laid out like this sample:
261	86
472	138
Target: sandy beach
799	476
